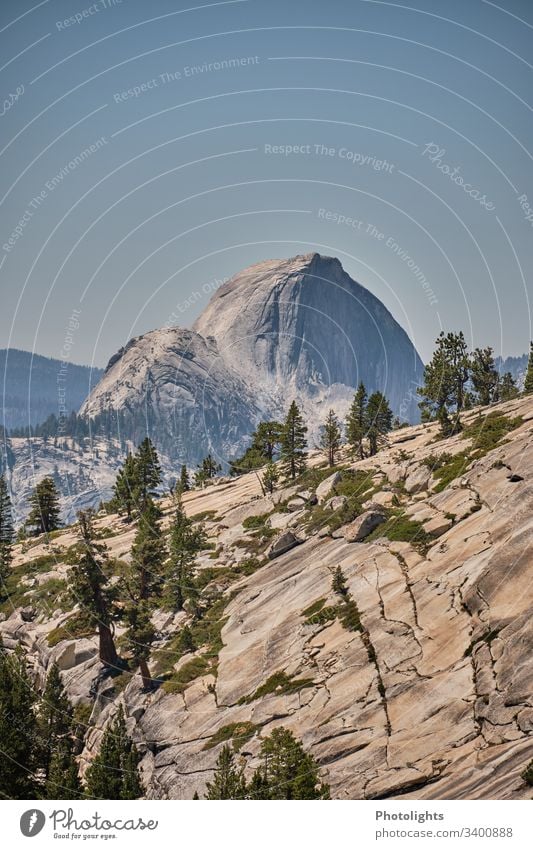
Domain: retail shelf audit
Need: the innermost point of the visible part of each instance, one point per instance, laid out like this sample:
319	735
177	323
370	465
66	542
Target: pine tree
287	771
183	484
89	588
7	532
55	722
140	634
18	728
63	781
54	716
445	377
148	471
126	488
228	780
528	382
330	439
270	477
114	772
293	443
210	467
186	541
186	640
378	420
262	450
143	583
44	503
507	388
338	584
355	421
484	375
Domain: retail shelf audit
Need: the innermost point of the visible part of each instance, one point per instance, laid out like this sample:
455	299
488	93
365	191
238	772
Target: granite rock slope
425	691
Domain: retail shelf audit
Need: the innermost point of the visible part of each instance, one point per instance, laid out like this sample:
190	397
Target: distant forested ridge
34	387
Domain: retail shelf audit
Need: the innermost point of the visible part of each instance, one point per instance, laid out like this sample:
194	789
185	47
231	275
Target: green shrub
437	461
399	528
314	608
487	431
449	471
238	732
253	522
527	774
73	629
278	683
194	668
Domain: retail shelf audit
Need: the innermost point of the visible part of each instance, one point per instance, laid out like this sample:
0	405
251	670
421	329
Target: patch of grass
327	614
204	516
253	522
238	732
356	486
486	432
73	629
314	608
454	468
437	461
14	593
257	541
311	478
248	566
279	683
399	528
179	681
49	596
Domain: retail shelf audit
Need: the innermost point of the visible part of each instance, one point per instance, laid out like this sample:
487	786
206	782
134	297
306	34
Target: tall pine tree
293	443
126	488
445	377
484	376
90	589
7	532
55	722
143	582
18	728
356	421
378	420
330	437
507	388
186	541
287	771
114	772
228	781
528	382
44	503
148	471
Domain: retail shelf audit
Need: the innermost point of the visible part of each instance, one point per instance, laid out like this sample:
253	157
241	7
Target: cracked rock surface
432	697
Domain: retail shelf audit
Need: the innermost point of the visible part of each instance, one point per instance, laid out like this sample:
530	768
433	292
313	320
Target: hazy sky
152	149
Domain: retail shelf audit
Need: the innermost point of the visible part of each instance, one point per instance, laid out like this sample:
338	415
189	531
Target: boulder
66	656
417	479
325	488
336	503
28	614
384	498
283	543
295	504
363	525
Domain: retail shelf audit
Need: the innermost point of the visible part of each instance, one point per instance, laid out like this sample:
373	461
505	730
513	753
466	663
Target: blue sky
151	150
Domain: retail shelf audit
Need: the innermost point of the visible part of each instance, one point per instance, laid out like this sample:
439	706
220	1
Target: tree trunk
145	675
107	650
